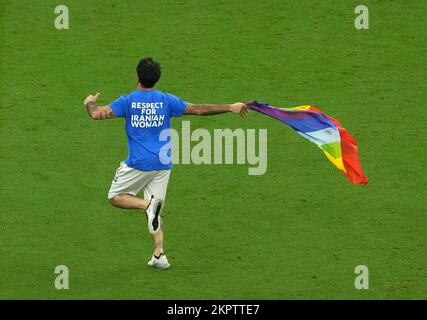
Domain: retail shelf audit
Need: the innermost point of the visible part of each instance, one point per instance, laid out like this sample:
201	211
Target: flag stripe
309	123
324	136
337	162
334	149
312	121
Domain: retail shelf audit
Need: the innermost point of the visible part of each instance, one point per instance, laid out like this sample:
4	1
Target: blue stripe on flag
324	136
313	122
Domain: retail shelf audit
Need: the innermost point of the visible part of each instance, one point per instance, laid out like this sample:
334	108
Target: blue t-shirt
148	121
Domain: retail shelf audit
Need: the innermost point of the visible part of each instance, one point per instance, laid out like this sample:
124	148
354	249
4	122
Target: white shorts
132	181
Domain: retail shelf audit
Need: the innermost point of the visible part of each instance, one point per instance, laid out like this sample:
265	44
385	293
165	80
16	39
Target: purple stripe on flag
301	120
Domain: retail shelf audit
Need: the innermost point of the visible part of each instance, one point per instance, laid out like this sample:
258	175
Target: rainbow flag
324	131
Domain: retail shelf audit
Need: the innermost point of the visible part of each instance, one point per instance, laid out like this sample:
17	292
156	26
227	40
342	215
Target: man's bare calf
127	201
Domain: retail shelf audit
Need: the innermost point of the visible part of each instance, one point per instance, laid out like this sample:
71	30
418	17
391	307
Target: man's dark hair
148	72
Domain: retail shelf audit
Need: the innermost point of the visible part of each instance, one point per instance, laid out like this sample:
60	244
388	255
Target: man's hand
91	99
240	108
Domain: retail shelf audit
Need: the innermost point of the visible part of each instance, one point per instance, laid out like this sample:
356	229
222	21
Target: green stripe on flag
333	148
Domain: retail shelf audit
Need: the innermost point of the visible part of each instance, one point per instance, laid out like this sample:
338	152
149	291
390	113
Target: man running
148	112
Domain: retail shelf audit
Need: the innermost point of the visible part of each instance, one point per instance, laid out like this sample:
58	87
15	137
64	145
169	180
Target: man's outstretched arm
211	109
97	112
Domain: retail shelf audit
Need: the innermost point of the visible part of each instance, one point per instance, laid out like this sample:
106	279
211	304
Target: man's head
148	72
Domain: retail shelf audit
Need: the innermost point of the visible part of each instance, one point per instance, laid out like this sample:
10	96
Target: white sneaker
161	262
153	214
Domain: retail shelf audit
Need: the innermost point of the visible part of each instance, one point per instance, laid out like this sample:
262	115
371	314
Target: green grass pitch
297	232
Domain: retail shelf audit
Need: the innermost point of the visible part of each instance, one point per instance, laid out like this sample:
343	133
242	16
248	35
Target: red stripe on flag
350	155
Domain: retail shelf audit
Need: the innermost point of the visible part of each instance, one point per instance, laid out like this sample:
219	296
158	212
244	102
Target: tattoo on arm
99	113
207	109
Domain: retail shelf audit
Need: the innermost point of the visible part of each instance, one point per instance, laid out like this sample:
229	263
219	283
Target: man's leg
158	243
127	183
127	201
157	188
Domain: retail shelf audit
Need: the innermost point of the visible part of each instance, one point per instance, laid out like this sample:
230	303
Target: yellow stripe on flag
302	108
337	162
